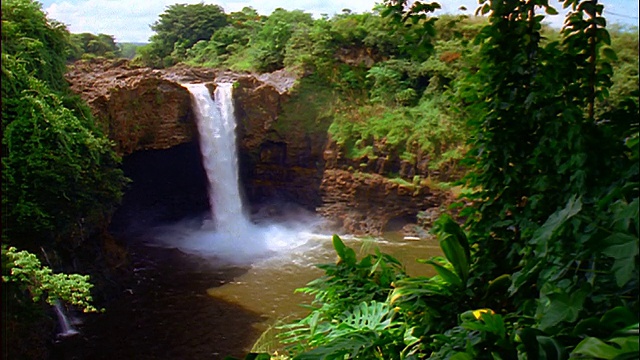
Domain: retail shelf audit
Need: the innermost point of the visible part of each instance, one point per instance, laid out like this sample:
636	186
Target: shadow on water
167	314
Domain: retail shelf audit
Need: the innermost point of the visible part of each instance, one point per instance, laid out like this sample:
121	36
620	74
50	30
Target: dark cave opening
399	222
166	186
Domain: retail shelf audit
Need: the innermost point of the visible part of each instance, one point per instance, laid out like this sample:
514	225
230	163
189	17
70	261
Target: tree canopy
90	45
180	27
53	156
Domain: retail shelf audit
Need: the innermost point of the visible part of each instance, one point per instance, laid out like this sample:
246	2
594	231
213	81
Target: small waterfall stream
66	328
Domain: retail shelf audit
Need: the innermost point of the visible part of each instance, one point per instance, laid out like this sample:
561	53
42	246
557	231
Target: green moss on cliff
310	109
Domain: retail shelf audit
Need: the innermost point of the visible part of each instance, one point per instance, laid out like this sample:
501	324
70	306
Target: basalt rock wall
278	161
147	110
139	108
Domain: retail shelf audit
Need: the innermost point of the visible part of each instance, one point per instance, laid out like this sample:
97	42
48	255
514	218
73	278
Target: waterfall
66	329
216	126
229	236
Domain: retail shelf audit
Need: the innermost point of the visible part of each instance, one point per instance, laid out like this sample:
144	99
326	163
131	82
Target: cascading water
229	235
66	329
216	125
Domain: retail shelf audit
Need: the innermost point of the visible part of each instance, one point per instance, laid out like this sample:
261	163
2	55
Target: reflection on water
183	306
268	287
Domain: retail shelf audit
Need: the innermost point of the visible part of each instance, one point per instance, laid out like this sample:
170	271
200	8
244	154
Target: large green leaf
455	253
446	274
551	349
454	244
374	316
539	346
447	226
542	236
562	307
624	253
596	348
345	253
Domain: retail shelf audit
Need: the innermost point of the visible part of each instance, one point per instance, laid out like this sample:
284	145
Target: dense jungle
512	144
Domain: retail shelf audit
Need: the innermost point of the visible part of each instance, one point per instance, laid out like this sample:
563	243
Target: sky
129	21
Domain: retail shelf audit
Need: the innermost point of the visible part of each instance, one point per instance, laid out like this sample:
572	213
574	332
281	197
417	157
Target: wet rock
364	203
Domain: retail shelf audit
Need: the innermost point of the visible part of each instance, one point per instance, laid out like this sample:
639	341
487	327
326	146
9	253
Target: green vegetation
60	176
86	46
543	260
129	50
178	29
25	271
546	122
375	78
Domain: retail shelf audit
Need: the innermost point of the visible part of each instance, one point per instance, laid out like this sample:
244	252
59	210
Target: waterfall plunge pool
209	286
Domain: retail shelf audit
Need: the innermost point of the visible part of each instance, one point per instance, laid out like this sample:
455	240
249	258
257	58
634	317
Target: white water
216	126
66	329
230	235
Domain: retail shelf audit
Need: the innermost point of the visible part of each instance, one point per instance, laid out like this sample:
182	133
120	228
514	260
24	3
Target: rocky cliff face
138	108
281	158
360	199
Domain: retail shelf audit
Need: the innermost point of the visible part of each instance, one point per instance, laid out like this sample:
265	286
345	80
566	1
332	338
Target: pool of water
185	306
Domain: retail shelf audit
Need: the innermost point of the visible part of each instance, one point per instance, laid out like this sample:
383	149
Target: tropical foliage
389	74
178	29
546	263
542	261
60	176
86	45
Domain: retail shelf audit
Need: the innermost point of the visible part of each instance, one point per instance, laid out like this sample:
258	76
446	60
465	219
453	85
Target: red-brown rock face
283	155
139	108
362	203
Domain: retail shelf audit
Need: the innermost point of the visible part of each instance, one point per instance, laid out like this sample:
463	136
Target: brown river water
184	306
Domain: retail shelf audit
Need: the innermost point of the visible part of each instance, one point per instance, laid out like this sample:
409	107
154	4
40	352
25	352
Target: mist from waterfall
228	234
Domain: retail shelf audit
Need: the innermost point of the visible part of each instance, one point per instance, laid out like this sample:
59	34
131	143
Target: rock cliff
138	108
279	159
283	154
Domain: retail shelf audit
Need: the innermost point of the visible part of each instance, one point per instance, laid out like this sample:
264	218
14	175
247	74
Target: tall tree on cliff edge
178	29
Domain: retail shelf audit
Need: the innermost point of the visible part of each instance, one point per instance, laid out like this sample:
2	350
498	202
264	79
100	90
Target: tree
40	42
128	50
269	45
101	45
181	26
52	157
60	175
546	264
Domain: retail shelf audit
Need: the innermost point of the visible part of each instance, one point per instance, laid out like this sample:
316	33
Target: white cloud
130	20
